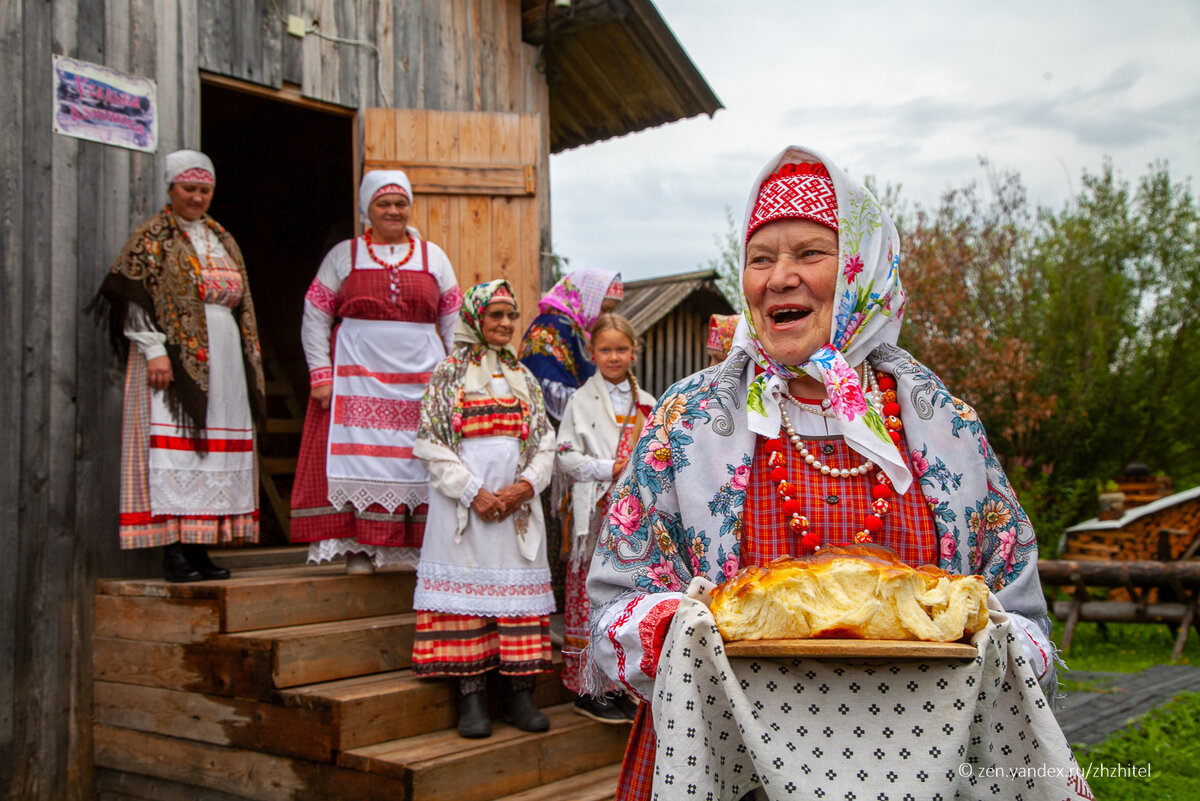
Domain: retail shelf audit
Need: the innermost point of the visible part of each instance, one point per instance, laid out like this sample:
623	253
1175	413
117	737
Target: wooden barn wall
675	346
66	207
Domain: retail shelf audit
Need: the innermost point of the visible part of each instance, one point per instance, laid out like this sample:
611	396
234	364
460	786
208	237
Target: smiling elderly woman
483	595
816	429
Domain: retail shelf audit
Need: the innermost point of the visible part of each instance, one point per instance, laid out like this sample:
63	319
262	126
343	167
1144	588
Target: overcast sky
913	93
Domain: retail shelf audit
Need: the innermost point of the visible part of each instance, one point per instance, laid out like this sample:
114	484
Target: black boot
197	556
474	722
519	708
176	566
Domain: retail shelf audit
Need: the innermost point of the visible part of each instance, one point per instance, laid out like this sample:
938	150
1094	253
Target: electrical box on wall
296	26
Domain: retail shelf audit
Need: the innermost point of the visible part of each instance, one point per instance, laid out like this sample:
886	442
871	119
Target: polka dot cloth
855	730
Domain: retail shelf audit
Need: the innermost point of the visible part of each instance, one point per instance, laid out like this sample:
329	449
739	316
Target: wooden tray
890	649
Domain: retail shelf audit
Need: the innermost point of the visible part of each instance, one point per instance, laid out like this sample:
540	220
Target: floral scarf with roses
869	307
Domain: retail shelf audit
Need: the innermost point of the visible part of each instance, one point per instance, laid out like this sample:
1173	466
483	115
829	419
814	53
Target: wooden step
253	599
390	706
306	732
117	785
237	559
442	765
251	664
238	772
595	785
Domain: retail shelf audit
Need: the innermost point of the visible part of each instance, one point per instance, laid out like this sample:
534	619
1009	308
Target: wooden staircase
293	683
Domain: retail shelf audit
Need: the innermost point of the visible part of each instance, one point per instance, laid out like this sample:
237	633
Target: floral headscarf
869	307
579	296
486	360
720	333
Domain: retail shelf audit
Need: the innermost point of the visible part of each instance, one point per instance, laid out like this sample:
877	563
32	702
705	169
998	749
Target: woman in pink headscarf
392	299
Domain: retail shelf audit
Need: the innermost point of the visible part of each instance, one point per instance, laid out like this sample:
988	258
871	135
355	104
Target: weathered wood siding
66	207
676	346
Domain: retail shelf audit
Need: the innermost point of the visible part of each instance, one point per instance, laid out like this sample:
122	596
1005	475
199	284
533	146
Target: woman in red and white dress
378	317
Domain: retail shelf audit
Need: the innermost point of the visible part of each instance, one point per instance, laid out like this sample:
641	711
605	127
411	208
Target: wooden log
230	770
183	666
115	785
1119	573
1123	611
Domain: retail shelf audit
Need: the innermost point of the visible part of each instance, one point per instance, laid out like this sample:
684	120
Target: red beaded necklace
371	251
393	269
881	492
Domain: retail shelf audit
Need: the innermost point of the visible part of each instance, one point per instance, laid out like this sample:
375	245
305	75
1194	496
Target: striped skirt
462	645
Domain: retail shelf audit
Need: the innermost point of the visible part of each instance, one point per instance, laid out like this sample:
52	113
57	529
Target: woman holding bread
815	430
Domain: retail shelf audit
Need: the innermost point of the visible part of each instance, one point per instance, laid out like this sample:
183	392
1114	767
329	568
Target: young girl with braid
600	424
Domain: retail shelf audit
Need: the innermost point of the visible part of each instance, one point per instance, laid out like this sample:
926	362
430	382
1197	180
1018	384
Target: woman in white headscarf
392	300
483	595
180	295
816	429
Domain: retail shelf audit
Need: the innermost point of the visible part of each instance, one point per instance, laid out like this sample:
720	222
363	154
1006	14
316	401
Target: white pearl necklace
811	460
873	393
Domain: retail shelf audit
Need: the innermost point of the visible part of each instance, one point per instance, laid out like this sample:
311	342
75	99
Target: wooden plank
456	62
115	785
509	761
382	29
594	785
508	40
437	53
484	54
303	732
202	668
12	313
461	178
506	243
443	225
273	604
161	619
412	135
475	255
189	76
534	269
379	135
271	31
325	651
409	57
230	770
390	706
215	22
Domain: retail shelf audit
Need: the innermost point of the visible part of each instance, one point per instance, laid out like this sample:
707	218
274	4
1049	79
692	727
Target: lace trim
362	492
382	555
494	592
184	491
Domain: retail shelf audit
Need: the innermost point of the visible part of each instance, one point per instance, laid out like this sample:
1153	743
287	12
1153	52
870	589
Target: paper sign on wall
102	105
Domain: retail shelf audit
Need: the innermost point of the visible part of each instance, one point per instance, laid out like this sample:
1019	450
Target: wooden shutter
474	179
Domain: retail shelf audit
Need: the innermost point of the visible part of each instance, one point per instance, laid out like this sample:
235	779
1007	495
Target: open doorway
285	190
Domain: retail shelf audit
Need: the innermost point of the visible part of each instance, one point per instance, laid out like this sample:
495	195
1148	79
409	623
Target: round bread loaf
851	592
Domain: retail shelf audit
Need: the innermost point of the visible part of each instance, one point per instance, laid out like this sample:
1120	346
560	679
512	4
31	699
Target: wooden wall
675	346
66	207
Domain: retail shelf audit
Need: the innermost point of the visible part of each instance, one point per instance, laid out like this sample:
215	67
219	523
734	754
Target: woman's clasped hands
502	503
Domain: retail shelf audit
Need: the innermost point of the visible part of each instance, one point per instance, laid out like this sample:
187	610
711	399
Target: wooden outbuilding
292	99
671	315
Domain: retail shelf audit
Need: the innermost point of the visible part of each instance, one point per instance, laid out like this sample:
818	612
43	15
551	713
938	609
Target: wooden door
474	179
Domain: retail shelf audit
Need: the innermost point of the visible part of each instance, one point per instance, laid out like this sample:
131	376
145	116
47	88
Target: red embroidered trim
206	446
194	175
450	301
805	197
488	590
612	630
320	376
322	297
355	370
652	631
384	451
360	411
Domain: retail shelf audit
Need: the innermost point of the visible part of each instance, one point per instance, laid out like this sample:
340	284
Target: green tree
728	262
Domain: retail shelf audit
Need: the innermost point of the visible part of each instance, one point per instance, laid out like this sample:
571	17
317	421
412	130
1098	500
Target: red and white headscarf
868	300
381	182
189	167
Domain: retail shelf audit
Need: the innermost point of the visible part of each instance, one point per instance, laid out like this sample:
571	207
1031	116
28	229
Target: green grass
1165	744
1123	648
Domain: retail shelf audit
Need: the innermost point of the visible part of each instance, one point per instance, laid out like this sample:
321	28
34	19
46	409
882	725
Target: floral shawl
439	432
159	270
